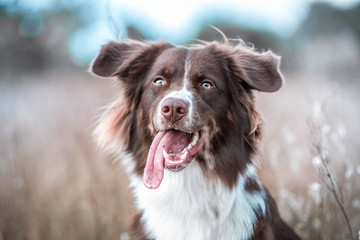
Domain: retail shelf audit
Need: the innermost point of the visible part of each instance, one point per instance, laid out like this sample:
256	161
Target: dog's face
182	104
184	88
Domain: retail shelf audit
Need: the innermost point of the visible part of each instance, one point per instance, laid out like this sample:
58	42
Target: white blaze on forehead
183	93
187	74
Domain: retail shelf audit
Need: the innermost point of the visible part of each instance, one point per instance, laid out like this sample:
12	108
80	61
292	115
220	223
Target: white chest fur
188	206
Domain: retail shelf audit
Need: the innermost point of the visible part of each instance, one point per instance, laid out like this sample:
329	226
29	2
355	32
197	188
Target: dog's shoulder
271	226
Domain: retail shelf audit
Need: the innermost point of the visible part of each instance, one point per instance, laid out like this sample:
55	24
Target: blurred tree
325	19
327	43
132	33
261	40
19	53
35	41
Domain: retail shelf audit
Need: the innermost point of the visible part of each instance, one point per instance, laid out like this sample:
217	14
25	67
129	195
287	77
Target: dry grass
55	184
289	169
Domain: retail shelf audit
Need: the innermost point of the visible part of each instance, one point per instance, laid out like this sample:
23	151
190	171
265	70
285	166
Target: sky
180	21
175	21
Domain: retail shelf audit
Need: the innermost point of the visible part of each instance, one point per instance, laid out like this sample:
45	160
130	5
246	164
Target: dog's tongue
173	142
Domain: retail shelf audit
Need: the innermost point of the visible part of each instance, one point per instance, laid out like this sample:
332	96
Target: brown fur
226	114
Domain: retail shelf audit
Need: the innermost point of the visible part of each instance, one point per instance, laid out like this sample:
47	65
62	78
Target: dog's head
181	104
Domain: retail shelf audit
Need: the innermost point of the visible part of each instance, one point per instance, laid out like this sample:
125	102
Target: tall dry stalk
322	164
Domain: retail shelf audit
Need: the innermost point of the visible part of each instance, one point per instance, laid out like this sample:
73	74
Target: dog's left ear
259	70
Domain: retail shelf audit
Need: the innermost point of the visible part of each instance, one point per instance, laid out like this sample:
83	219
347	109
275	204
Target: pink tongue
173	142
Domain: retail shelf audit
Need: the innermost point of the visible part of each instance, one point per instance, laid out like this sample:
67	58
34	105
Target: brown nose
174	109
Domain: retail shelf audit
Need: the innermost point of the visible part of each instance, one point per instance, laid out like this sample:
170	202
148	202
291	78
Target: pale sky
178	21
277	15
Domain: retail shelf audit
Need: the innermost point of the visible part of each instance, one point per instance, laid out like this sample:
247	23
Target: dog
186	128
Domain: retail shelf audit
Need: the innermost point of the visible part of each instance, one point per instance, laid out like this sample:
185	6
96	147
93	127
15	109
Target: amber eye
159	81
206	84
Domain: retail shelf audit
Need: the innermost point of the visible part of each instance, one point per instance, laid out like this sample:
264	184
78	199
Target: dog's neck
189	206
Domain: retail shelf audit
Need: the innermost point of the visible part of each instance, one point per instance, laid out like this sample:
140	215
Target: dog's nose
174	109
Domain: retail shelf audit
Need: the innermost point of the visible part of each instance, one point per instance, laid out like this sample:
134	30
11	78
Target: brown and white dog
186	128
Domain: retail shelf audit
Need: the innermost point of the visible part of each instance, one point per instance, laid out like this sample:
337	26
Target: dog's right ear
124	59
110	58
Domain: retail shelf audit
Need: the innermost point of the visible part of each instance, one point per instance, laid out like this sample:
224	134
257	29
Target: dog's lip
176	129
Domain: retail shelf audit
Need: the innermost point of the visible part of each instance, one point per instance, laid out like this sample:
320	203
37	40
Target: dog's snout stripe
183	94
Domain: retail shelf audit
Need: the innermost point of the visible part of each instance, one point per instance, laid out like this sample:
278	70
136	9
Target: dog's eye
206	84
159	81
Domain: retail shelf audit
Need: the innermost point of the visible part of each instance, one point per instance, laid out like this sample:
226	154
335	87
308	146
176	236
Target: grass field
56	184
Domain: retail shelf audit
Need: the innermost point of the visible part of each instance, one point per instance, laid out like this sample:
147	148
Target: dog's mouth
172	149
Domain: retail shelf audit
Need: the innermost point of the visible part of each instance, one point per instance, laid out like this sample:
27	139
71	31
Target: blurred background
56	184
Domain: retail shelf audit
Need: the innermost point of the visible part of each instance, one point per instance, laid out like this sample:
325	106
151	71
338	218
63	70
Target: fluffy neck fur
189	206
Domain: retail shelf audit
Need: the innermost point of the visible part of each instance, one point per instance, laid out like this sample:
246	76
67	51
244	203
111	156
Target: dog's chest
188	206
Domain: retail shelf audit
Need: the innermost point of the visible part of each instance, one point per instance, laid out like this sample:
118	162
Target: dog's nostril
180	110
165	109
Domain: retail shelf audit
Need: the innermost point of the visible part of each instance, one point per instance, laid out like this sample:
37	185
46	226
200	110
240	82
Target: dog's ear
260	71
125	59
